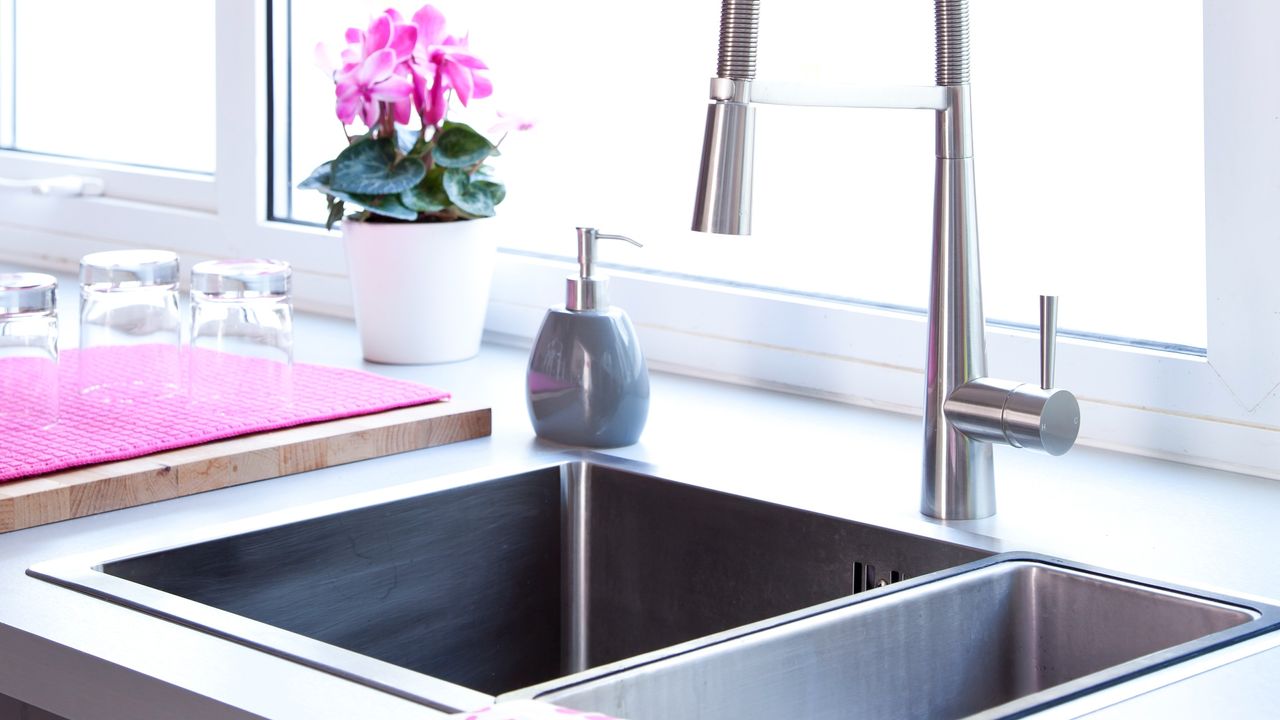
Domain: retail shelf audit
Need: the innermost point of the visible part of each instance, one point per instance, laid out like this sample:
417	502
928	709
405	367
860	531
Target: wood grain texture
110	486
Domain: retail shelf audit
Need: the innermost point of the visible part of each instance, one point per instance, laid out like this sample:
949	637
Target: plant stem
445	116
388	120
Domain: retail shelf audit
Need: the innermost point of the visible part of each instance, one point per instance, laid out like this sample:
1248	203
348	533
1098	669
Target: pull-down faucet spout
724	183
964	410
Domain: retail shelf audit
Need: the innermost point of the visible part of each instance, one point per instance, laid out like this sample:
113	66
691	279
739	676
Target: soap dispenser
587	382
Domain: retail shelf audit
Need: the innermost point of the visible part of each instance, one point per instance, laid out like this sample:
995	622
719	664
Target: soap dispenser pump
587	382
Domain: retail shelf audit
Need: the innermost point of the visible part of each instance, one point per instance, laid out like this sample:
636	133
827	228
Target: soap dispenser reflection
587	382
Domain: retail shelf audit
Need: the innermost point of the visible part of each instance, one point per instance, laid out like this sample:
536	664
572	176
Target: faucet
965	412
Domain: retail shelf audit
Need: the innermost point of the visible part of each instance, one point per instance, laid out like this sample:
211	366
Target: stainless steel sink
1016	634
457	595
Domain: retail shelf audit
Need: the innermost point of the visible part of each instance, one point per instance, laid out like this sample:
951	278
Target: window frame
1220	410
158	186
7	73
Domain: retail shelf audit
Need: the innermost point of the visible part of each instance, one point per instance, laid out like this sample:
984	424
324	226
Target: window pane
1089	156
129	82
1089	137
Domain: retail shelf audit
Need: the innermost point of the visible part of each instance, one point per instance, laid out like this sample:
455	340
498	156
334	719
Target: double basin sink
595	584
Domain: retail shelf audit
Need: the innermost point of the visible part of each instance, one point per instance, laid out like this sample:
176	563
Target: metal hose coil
951	20
739	21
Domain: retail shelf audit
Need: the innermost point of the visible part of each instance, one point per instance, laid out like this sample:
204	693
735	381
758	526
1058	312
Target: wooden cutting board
110	486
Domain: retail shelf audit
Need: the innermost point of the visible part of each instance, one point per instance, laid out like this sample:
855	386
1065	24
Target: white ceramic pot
420	289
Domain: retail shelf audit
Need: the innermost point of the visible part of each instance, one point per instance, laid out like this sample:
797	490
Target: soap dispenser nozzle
587	291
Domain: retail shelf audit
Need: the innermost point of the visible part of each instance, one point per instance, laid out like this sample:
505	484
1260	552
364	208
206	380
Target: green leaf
319	179
458	146
427	196
475	198
496	190
409	141
390	206
369	167
336	209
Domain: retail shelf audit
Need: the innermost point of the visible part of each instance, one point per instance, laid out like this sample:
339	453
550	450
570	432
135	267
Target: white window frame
129	183
1219	410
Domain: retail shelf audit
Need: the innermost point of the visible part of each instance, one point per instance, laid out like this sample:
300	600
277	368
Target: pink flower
373	69
405	65
349	56
364	86
508	122
441	62
389	31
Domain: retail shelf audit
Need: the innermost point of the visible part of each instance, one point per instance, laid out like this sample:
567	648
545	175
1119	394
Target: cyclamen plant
434	172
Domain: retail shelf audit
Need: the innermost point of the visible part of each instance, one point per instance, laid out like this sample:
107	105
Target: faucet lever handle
1048	338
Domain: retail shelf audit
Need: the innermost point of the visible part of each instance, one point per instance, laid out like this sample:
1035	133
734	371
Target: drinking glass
241	332
130	326
28	351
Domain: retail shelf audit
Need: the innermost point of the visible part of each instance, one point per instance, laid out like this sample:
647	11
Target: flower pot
420	289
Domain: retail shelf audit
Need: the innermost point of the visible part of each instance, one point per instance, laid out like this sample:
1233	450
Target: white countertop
81	657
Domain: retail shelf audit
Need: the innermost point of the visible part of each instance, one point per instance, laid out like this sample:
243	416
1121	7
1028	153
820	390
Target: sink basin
457	595
1013	635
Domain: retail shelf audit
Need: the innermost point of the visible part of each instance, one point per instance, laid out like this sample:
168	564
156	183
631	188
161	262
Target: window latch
62	185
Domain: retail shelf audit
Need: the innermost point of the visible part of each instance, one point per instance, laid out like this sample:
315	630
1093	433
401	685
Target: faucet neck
957	475
954	128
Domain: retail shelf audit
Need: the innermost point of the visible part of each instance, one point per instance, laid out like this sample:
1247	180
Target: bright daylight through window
1125	170
101	81
1089	203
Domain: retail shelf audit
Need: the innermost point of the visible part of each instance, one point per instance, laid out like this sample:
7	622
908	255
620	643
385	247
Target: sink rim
82	572
1265	620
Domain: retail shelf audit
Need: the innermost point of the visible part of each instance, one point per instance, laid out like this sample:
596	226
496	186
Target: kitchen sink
454	591
1010	636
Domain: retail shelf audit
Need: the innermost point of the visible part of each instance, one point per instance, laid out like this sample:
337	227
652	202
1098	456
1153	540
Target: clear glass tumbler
28	351
241	332
130	326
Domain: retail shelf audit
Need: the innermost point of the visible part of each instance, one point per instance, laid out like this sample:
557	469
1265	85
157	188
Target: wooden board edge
79	492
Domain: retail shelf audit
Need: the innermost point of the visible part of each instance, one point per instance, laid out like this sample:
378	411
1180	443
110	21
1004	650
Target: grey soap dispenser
587	382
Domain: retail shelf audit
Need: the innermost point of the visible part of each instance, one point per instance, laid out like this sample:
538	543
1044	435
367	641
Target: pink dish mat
126	418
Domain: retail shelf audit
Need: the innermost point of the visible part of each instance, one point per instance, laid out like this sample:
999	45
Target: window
150	105
821	299
843	198
142	120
